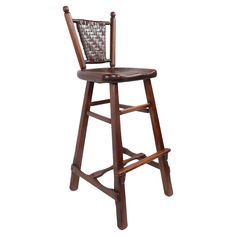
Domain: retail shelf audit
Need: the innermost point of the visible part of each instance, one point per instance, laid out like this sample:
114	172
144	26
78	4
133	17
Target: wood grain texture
74	37
146	160
113	40
94	182
163	164
81	134
100	173
139	156
116	75
99	117
134	108
100	102
119	181
129	106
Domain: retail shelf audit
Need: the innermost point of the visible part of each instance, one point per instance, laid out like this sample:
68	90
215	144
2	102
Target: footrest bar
133	156
143	161
100	173
95	182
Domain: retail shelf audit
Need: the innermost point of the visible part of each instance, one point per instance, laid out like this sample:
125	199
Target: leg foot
74	181
121	206
119	181
163	163
165	175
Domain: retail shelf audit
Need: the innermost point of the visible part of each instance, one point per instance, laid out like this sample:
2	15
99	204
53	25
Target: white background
192	45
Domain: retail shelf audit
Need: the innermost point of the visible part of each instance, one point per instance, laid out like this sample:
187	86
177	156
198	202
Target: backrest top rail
98	21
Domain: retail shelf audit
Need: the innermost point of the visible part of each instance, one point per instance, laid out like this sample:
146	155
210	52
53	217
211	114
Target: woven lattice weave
93	38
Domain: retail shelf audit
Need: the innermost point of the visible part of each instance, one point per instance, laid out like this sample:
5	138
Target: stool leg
163	163
74	181
119	181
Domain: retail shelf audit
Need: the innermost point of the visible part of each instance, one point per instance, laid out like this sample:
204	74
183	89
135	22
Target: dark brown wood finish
100	173
113	76
100	102
128	106
163	164
133	156
119	181
74	37
99	117
113	40
160	154
81	134
92	180
134	108
116	75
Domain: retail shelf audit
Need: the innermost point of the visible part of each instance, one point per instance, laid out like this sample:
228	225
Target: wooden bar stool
92	36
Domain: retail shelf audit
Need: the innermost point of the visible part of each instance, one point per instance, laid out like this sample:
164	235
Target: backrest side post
113	40
74	37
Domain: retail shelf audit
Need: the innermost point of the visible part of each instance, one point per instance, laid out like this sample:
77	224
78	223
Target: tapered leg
74	181
119	181
163	163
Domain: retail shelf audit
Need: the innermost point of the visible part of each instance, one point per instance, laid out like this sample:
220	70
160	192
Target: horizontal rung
96	62
100	117
134	108
143	161
105	22
146	110
100	102
133	156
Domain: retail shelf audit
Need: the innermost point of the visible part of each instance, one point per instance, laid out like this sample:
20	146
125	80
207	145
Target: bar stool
92	35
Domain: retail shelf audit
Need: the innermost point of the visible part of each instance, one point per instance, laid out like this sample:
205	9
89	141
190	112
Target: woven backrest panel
93	38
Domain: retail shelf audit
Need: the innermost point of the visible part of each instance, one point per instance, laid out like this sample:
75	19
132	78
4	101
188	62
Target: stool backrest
92	35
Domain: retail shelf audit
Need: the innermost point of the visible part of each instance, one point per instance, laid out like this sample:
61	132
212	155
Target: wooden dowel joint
110	192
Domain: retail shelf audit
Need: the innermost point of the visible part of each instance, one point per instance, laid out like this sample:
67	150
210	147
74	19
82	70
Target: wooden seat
92	36
111	75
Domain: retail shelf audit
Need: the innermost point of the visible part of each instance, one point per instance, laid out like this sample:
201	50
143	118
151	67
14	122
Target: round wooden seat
111	75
